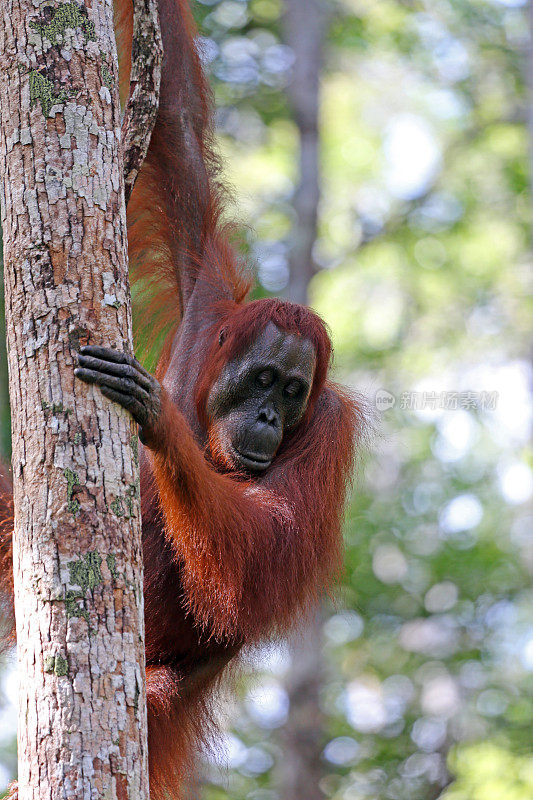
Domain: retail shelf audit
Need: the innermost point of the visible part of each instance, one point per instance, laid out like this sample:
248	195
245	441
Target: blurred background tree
422	268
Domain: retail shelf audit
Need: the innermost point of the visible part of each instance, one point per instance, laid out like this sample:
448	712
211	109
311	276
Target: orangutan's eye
293	389
265	378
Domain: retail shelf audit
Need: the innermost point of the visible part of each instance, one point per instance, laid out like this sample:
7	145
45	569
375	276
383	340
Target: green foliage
424	287
487	771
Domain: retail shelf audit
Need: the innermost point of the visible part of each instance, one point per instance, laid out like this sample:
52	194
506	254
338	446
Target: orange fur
175	208
255	552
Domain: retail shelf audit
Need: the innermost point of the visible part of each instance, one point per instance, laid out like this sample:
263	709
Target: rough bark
145	78
77	542
5	437
303	734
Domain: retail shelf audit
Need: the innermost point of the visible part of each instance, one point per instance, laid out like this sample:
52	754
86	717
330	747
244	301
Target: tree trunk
529	81
5	416
304	27
303	734
77	542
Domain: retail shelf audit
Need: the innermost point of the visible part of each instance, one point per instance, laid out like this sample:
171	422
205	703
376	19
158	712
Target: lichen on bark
72	481
86	572
56	665
42	91
63	16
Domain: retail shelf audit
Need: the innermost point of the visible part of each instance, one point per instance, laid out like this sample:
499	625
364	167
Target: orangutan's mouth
252	461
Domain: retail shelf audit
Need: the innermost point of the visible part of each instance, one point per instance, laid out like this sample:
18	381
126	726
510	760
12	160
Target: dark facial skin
257	397
260	395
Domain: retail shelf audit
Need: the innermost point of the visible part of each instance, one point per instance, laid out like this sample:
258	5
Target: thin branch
143	102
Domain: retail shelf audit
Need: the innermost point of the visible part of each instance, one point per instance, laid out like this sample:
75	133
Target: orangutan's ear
222	336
